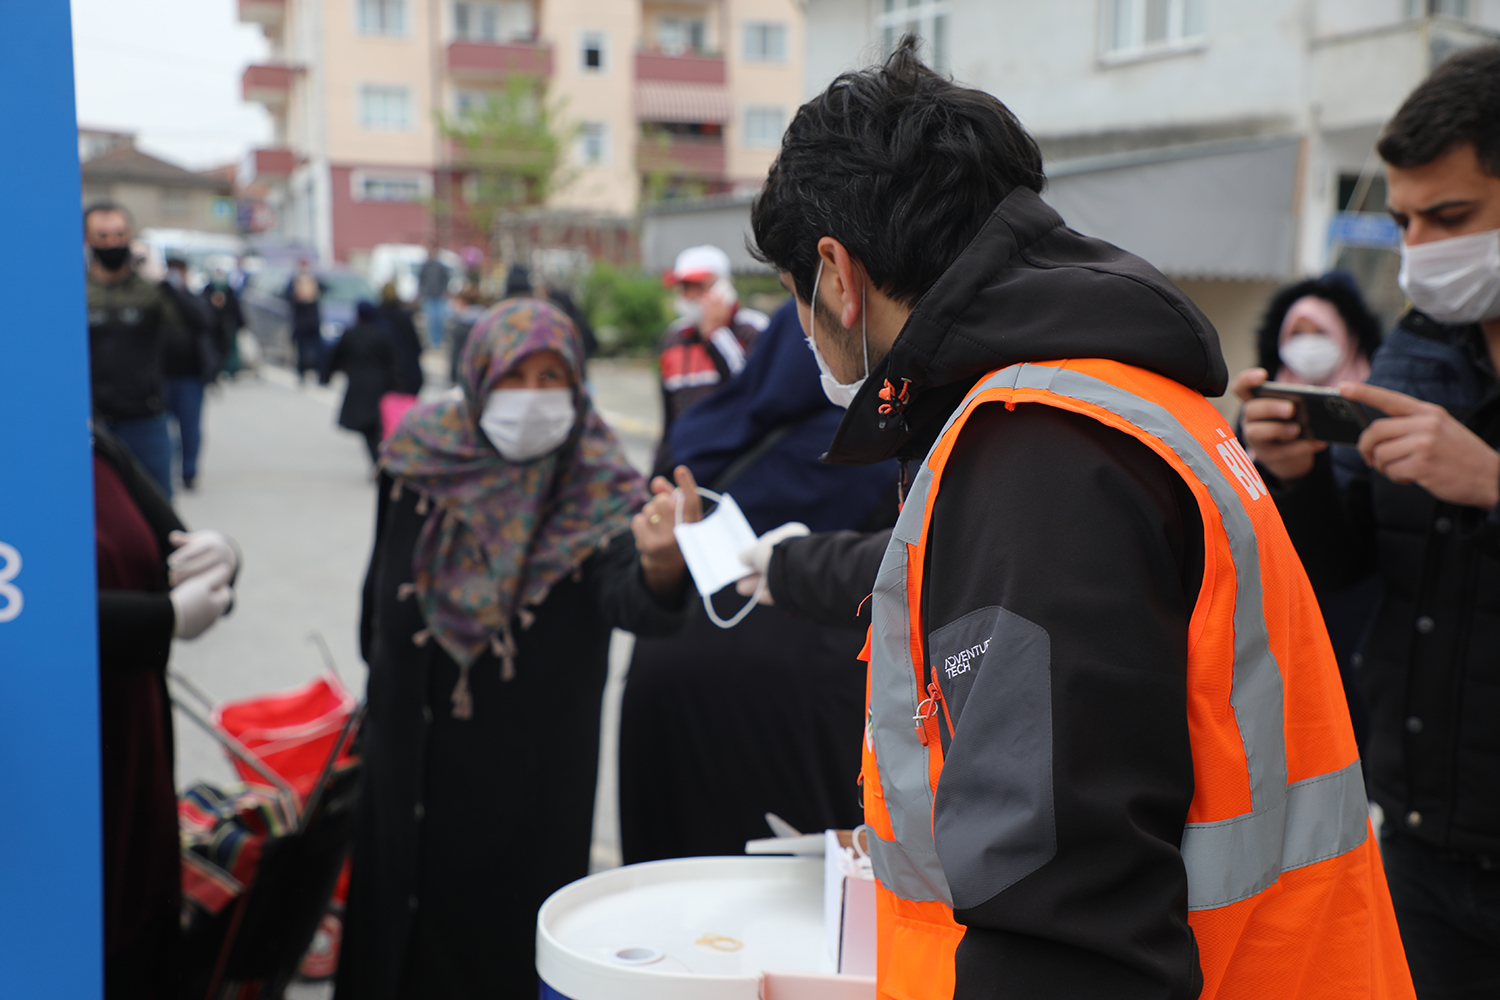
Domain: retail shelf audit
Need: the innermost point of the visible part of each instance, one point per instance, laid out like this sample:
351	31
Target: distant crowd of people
1118	679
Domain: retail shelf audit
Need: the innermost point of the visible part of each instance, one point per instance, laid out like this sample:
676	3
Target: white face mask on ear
1456	280
525	424
838	393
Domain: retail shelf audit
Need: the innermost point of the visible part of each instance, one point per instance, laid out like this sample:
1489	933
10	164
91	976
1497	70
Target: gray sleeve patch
993	821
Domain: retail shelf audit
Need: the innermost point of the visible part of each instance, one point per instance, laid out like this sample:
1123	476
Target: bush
628	309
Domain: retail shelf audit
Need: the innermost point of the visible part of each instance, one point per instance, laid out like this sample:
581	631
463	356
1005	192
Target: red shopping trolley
261	862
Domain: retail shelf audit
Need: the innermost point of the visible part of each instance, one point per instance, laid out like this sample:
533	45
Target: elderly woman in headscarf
507	546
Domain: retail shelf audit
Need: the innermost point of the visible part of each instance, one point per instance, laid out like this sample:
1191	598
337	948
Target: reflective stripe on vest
1288	826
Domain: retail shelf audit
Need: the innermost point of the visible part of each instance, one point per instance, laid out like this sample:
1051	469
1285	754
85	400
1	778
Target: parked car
268	314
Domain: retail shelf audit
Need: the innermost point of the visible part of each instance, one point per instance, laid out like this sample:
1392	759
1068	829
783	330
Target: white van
402	262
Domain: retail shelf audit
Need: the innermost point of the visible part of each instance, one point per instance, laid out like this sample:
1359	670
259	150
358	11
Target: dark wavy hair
1458	103
900	165
1335	288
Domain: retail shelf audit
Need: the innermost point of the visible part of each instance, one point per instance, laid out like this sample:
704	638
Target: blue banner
1364	229
50	912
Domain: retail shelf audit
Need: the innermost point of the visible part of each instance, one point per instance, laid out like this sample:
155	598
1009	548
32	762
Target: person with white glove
198	552
758	558
200	601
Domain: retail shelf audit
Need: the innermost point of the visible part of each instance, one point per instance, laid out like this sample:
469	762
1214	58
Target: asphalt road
295	492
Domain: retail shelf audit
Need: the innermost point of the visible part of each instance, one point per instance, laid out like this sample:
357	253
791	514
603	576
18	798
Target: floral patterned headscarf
501	533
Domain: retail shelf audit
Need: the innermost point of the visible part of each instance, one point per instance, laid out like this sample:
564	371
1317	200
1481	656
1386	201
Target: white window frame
359	179
367	92
891	24
753	140
495	11
585	42
598	132
1178	37
764	30
382	30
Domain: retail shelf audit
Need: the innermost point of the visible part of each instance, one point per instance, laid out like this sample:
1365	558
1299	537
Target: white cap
701	263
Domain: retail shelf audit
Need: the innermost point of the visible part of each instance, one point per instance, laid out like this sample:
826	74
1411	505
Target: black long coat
364	353
465	827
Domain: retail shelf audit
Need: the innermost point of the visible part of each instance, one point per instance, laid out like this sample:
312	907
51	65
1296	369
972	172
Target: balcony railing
274	164
268	85
681	156
681	69
496	61
267	13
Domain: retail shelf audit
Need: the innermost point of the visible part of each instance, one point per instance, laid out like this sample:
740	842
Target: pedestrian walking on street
396	318
505	552
303	293
190	359
127	316
366	356
432	289
229	320
157	582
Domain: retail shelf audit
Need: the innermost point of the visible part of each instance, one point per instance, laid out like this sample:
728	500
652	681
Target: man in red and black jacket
708	343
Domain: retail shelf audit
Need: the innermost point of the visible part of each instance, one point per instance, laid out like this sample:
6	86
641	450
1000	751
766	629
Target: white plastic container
686	929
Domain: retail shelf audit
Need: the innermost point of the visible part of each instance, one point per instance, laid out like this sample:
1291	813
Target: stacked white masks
525	424
1456	280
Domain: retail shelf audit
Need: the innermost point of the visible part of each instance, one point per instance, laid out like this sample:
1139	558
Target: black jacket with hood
1084	531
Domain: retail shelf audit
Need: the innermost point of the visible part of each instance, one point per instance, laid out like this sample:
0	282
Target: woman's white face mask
1313	356
525	424
1456	280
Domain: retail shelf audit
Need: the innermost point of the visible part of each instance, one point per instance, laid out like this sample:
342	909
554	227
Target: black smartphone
1323	414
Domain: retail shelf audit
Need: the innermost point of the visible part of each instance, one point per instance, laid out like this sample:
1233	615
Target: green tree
511	147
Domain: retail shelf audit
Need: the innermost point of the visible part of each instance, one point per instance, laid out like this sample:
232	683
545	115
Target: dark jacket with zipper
1084	531
126	346
1431	668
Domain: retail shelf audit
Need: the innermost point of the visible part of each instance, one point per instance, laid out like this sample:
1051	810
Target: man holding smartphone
1417	501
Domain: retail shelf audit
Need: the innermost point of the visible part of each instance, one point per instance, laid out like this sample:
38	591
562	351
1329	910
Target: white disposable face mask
524	424
1456	280
838	393
1313	356
692	309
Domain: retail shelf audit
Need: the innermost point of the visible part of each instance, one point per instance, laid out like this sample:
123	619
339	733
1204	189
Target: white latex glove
758	558
199	601
197	553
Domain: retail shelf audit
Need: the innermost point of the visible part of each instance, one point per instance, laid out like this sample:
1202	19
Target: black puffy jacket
1431	667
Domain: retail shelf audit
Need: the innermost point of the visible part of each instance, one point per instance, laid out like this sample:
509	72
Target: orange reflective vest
1286	894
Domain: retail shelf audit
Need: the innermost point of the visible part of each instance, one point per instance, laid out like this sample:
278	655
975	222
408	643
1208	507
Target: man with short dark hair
1106	752
126	319
1419	503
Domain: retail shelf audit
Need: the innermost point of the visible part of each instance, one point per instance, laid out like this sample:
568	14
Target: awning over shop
1220	210
675	101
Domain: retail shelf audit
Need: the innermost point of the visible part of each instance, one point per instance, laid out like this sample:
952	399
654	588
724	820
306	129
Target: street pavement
294	490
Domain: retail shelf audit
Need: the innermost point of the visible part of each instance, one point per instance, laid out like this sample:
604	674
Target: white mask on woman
1313	356
1456	280
524	424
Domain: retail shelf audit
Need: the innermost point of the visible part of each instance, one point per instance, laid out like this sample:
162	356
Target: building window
593	144
1446	8
927	19
763	126
385	108
471	102
176	204
382	17
492	21
593	52
681	36
765	43
1135	27
390	187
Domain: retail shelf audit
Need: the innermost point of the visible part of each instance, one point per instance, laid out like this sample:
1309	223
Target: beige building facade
654	99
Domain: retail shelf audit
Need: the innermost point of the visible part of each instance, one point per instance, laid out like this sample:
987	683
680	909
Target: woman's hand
661	560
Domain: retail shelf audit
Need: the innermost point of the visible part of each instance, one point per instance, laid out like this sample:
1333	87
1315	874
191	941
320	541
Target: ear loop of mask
708	604
864	317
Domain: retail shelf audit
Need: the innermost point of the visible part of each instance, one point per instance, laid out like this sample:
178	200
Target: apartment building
656	98
1229	142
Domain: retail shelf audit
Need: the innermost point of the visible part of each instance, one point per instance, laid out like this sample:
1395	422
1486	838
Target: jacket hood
1027	288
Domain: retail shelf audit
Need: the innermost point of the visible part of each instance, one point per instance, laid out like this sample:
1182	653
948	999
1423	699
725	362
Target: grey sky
170	71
